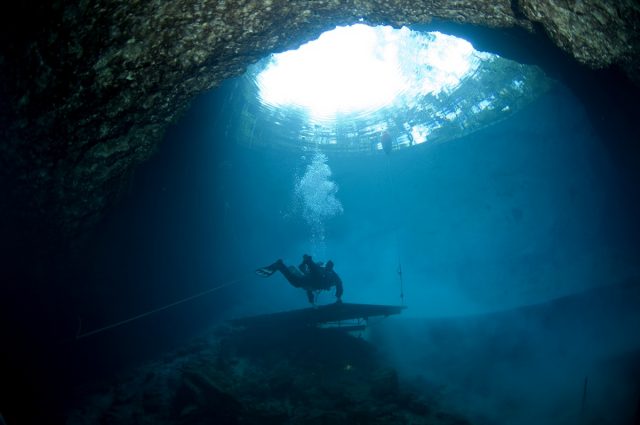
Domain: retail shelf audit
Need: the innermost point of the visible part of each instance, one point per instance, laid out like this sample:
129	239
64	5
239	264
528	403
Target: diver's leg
292	274
310	296
339	291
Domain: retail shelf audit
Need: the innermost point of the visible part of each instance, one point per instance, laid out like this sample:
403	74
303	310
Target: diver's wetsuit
310	276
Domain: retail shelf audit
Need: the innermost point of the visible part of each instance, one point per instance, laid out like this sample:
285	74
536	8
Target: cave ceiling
89	87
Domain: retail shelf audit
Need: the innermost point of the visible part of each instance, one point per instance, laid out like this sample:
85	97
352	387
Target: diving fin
265	271
270	269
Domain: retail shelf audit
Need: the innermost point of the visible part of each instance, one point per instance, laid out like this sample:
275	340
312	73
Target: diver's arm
307	263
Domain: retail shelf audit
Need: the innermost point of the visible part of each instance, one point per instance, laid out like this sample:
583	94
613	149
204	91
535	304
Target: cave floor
232	376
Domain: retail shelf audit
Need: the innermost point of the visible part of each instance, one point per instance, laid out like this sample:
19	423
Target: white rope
80	335
394	202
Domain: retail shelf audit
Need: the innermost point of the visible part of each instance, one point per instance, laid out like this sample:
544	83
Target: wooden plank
322	314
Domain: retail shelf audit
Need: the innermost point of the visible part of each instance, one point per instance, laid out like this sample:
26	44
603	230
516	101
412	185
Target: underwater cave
469	168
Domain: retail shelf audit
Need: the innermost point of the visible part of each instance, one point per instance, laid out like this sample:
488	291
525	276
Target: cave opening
358	84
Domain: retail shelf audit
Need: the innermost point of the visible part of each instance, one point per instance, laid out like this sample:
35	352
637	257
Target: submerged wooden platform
331	313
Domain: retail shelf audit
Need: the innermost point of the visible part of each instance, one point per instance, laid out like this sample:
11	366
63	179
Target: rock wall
89	87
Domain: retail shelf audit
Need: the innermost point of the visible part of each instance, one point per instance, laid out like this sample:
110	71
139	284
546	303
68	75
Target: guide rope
80	334
393	201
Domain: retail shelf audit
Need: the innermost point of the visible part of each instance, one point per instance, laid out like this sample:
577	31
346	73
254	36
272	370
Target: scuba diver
309	275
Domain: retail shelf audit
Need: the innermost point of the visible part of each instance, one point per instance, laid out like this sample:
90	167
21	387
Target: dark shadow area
133	262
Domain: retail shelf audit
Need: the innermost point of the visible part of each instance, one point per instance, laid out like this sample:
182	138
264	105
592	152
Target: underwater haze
514	248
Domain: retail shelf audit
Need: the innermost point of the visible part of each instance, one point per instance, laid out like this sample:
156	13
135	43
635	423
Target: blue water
518	246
